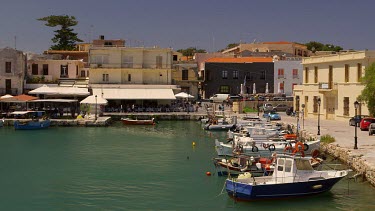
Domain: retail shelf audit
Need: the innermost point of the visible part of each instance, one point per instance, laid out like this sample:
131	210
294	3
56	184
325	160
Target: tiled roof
240	60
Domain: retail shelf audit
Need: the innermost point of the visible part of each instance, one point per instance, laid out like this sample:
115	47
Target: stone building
12	71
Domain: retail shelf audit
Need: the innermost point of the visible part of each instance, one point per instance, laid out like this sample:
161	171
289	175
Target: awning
19	99
135	94
59	90
54	100
94	100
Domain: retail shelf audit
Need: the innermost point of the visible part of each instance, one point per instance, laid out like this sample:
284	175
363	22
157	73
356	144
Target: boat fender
265	146
254	149
306	146
271	147
315	153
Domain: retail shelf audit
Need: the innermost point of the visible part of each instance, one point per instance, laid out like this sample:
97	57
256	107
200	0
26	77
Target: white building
288	73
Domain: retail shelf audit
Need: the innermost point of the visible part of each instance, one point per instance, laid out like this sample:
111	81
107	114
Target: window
107	43
250	77
359	72
64	73
282	87
280	164
346	106
185	74
159	62
235	74
34	69
288	165
127	61
100	59
346	73
88	75
129	77
280	73
224	89
83	73
8	67
225	74
306	75
295	73
315	107
76	69
105	77
316	74
45	69
263	75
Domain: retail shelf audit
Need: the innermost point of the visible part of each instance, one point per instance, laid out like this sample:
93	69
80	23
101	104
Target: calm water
133	168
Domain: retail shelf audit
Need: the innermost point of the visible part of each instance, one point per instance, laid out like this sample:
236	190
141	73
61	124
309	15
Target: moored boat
2	122
32	124
292	177
127	121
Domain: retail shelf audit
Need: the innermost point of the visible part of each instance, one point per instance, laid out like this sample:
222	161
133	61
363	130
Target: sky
204	24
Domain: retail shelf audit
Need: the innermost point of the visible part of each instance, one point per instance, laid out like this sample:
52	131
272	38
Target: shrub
248	110
327	139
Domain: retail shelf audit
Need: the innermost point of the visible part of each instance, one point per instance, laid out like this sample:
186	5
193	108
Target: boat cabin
289	169
27	114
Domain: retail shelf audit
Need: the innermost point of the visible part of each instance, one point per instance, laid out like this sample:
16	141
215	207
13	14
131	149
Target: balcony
327	87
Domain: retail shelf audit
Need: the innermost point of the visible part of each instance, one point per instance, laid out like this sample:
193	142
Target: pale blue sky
207	24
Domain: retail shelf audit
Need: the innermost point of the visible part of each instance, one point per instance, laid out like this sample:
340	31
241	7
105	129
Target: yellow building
335	80
132	74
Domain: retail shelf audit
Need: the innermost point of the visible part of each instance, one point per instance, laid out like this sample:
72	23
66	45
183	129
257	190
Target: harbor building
12	71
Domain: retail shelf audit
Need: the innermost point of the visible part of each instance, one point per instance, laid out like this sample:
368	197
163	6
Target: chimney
102	37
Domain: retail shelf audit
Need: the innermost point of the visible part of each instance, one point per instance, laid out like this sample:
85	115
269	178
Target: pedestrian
133	107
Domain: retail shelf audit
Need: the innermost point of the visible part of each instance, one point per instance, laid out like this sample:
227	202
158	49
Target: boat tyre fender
265	146
306	147
271	147
254	149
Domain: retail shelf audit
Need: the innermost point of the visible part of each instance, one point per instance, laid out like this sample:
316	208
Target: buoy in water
193	144
208	173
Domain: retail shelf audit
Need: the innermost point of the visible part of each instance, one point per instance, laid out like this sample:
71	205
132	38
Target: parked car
278	99
272	115
371	129
281	107
365	123
355	120
219	98
289	111
266	107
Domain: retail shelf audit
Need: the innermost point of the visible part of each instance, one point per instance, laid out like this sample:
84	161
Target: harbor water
134	168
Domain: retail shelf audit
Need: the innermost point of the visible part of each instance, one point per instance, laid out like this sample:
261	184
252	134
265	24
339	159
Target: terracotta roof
20	98
239	60
279	42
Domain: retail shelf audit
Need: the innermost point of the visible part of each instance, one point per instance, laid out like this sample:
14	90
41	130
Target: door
330	108
8	86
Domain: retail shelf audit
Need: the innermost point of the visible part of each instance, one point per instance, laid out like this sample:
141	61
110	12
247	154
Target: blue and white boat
36	122
292	177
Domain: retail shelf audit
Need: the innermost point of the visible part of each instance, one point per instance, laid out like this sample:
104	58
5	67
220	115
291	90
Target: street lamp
297	111
319	101
258	104
356	104
96	107
303	116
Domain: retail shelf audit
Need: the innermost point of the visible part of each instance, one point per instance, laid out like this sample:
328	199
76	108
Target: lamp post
356	104
319	101
297	111
96	107
258	104
303	116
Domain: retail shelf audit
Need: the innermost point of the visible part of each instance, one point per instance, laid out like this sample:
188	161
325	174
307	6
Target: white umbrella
267	88
91	100
6	96
242	89
254	90
183	95
44	90
278	88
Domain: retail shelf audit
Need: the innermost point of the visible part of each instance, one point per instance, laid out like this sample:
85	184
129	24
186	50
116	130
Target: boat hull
137	122
218	127
248	192
32	125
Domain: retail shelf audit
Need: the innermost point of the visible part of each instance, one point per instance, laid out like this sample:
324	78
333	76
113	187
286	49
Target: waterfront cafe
136	98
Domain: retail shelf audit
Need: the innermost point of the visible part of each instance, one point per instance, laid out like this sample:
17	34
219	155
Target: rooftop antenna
254	41
15	42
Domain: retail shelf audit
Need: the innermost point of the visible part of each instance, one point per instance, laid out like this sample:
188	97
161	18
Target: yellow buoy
193	144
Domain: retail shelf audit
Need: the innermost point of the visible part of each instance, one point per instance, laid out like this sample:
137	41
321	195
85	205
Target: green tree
368	93
317	46
190	51
64	38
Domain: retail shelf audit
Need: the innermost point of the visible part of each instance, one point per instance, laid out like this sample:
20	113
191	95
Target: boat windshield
303	164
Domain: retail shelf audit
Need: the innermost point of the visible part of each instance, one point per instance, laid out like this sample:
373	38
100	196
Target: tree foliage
190	51
64	38
368	93
317	46
229	46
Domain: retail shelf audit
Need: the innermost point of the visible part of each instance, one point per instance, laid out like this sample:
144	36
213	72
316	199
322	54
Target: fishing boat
38	120
2	122
249	145
127	121
258	166
293	176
